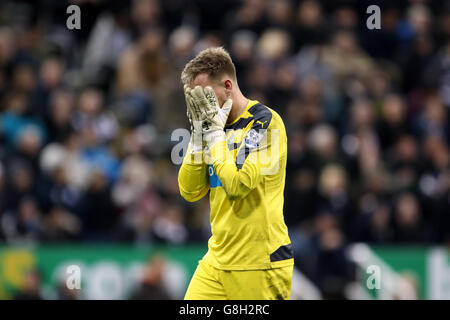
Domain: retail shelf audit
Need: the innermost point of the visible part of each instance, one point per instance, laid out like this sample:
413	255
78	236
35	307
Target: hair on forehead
214	61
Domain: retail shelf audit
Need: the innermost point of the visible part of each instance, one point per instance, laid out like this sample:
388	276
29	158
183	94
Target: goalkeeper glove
195	119
214	118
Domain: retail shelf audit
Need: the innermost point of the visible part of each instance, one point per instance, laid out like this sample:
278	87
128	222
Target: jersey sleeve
259	154
193	177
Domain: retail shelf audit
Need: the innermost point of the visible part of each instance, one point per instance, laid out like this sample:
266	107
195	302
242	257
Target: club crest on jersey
253	139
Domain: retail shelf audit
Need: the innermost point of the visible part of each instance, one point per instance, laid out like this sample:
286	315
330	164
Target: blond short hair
215	61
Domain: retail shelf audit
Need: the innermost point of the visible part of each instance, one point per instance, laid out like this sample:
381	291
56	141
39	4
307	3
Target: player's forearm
237	183
192	178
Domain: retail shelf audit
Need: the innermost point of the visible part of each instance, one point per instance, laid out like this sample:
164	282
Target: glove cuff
213	137
196	142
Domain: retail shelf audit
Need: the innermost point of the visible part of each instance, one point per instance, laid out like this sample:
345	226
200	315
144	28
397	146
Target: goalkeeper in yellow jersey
237	152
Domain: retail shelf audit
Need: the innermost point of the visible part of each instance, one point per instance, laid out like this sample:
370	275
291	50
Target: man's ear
228	85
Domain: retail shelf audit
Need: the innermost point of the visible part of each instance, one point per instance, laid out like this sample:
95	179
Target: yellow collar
250	104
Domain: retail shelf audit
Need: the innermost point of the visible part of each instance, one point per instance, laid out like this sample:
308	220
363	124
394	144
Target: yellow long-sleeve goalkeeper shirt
245	176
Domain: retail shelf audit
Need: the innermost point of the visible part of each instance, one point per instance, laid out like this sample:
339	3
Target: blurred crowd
87	115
